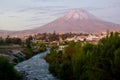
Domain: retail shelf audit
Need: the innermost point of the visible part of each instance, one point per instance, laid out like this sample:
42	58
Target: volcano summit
77	20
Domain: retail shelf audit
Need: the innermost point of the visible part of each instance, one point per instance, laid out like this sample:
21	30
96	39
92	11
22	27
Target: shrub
7	71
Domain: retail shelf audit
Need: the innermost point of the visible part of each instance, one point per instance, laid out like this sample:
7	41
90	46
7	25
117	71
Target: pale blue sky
27	14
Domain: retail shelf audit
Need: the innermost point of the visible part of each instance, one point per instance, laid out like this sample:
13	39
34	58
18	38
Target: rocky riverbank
14	56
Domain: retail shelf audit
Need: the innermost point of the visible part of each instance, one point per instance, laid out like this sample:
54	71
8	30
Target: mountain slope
77	20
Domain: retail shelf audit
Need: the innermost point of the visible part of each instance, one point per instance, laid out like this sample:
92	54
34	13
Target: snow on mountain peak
77	14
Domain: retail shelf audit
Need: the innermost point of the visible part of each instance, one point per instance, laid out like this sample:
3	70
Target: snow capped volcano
77	20
78	14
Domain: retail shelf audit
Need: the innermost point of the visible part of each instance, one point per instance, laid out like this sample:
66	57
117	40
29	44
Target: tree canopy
86	61
7	71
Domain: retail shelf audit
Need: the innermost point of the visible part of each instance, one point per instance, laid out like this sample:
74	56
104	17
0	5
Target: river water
36	68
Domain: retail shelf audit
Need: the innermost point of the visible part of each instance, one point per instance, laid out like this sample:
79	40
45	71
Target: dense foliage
8	41
41	47
49	37
85	61
1	41
7	71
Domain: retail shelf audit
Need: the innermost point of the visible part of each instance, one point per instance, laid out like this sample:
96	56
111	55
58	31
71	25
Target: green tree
28	49
7	71
1	41
42	47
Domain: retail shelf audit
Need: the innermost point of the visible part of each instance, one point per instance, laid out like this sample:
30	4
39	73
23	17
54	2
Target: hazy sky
27	14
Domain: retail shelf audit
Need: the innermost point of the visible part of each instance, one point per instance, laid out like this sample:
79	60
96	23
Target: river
36	68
